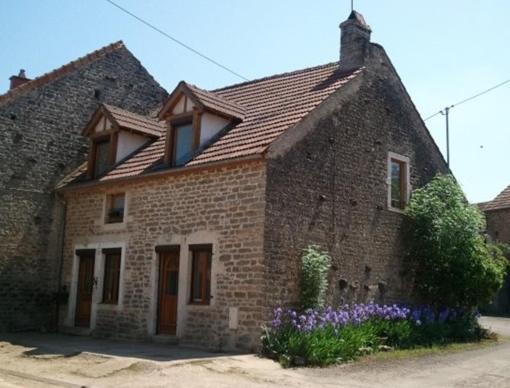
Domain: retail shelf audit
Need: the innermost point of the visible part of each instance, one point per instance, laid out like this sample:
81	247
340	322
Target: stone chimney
354	41
17	80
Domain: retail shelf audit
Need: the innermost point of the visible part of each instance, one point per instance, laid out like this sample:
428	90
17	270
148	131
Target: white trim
406	161
114	225
97	291
183	305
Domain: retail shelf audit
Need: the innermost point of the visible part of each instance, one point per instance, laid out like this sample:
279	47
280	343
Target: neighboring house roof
61	71
124	119
502	201
271	105
204	99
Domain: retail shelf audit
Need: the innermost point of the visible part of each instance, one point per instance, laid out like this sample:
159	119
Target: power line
469	98
175	40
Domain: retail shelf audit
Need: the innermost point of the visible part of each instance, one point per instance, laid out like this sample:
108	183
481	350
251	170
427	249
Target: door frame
183	307
161	250
88	254
97	289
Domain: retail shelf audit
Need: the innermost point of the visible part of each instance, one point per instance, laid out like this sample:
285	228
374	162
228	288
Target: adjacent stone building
40	142
190	226
497	214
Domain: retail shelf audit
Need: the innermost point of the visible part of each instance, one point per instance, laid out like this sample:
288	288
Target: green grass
457	347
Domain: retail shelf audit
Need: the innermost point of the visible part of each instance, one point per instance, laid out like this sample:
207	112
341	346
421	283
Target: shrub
451	263
315	264
327	336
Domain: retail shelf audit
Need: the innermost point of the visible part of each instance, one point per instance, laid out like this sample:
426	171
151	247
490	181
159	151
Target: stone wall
223	206
327	185
498	228
40	143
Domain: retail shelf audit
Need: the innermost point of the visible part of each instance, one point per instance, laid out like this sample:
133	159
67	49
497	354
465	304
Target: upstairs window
398	181
111	275
115	208
101	156
201	274
183	143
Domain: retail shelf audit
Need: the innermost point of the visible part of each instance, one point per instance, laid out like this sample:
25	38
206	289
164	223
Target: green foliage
451	262
327	345
315	264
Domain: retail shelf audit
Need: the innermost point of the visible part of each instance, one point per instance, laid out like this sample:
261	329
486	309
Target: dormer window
101	156
195	117
115	134
183	141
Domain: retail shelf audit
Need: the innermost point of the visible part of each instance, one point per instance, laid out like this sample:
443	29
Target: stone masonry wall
330	188
40	142
498	228
223	206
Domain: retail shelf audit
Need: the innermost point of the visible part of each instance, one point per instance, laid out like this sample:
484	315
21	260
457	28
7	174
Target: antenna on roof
352	5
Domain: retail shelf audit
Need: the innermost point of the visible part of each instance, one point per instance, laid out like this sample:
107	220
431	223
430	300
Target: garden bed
320	337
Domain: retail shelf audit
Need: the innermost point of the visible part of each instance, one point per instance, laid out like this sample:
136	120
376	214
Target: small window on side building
115	208
398	180
111	276
201	274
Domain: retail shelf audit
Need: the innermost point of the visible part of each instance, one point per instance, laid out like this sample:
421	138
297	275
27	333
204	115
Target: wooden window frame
111	136
193	118
109	207
205	292
405	181
108	254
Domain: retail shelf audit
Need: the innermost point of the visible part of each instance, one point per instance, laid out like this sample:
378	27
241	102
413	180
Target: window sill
396	210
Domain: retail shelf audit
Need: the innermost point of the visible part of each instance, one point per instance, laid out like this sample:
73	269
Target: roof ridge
118	108
212	94
59	71
287	73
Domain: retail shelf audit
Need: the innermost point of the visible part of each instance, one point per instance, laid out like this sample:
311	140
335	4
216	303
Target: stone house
190	226
40	143
497	215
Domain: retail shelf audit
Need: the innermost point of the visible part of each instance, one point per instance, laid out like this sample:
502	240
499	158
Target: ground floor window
111	275
201	274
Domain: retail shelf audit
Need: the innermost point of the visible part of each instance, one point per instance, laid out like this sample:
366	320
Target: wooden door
84	291
168	292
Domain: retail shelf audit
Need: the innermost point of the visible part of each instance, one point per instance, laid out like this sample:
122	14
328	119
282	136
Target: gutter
62	200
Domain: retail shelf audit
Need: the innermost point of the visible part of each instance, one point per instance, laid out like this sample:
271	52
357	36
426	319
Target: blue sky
443	50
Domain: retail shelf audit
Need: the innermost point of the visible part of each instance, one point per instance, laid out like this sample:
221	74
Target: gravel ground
45	360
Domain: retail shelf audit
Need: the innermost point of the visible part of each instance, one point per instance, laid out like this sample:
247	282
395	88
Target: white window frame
406	161
104	214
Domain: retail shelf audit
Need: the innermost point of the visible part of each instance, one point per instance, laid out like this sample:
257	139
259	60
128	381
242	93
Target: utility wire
469	98
177	41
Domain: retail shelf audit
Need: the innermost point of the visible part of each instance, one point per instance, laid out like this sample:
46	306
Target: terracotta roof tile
501	201
65	69
136	122
217	103
270	106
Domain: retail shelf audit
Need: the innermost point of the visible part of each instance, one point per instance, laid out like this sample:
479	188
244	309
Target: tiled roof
216	103
271	106
136	122
501	201
57	73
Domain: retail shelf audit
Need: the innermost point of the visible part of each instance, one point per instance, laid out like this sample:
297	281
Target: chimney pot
354	42
17	80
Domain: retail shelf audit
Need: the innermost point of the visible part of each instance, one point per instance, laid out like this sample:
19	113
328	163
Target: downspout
61	199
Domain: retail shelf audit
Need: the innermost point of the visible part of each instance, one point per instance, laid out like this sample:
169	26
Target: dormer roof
123	119
203	99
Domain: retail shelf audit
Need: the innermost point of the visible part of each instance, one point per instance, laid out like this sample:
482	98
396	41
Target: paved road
42	361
